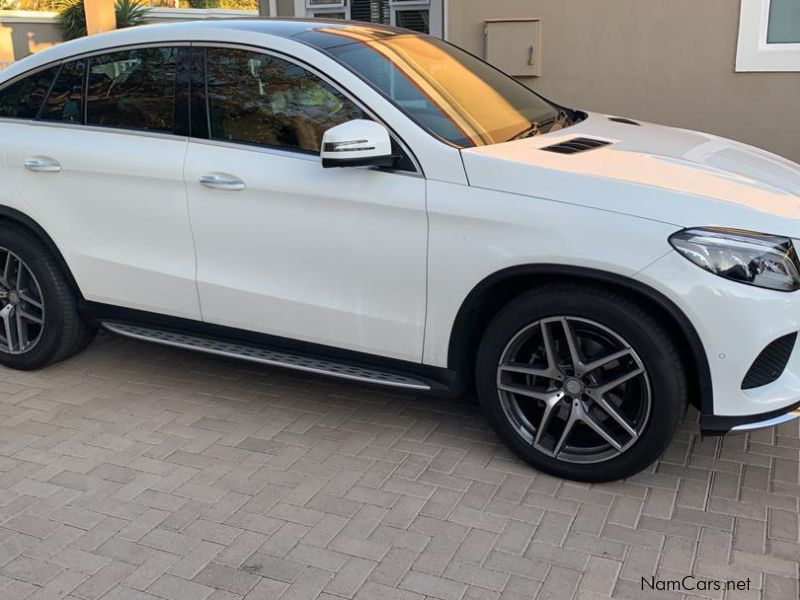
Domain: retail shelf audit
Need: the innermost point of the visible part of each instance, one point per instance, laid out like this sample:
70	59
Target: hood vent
624	121
576	145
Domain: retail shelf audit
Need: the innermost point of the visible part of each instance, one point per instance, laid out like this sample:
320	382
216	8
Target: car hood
671	175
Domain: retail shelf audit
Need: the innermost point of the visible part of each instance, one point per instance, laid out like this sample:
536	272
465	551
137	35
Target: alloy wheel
574	389
21	305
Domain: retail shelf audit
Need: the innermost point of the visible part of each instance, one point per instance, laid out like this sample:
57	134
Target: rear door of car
100	164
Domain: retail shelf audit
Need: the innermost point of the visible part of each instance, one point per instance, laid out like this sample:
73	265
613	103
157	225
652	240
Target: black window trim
83	125
418	172
306	154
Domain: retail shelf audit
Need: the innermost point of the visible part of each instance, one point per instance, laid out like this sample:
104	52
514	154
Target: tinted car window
259	99
133	89
23	98
456	96
65	102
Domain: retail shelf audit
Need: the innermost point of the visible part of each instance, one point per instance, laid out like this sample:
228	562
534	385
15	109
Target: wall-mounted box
515	46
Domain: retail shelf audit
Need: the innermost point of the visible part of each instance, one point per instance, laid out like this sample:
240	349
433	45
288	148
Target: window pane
784	22
134	89
259	99
417	20
65	102
455	95
23	98
370	11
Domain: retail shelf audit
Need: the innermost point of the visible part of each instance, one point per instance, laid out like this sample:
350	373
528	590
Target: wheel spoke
573	418
544	423
29	317
600	430
526	391
602	389
7	268
572	344
22	330
549	349
29	299
612	412
20	270
526	369
601	362
6	315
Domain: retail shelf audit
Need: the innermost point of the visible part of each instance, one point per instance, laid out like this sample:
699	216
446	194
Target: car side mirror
358	143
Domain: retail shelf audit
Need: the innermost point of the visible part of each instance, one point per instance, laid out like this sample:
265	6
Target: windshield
454	95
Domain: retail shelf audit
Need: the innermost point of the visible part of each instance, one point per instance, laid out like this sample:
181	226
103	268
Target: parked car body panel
376	280
120	217
654	172
330	256
477	232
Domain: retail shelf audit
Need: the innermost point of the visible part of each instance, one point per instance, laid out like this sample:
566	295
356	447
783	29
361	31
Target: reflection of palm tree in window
133	89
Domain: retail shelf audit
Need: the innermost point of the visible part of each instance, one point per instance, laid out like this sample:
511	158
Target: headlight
758	259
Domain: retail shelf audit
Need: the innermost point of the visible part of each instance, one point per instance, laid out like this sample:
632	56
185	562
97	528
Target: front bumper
734	322
715	425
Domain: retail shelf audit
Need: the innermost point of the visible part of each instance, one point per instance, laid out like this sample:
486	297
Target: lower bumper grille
769	365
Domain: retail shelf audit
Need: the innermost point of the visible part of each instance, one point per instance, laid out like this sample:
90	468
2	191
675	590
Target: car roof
205	30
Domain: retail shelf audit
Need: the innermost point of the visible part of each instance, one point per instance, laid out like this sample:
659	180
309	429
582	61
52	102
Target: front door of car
335	257
102	169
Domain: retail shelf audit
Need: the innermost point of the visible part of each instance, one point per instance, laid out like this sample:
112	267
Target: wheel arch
496	290
26	223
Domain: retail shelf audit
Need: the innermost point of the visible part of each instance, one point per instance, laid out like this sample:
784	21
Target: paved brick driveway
135	472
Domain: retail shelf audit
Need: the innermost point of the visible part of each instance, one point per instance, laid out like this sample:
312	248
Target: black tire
656	352
64	333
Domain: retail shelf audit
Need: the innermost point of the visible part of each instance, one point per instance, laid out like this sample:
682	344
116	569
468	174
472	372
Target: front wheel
581	383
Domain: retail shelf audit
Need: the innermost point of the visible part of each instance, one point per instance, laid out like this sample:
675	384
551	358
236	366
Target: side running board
265	356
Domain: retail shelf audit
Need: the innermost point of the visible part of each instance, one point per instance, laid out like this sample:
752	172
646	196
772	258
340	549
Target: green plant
225	4
72	16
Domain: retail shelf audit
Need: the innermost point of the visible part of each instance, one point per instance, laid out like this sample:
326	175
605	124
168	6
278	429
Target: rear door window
133	89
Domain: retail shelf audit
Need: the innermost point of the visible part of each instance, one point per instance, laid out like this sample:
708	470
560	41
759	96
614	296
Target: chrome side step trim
773	422
266	357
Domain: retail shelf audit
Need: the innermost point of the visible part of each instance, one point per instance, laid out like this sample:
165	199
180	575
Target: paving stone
166	475
226	578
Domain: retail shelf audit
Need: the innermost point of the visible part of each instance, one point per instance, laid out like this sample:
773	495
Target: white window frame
396	6
302	7
753	52
332	5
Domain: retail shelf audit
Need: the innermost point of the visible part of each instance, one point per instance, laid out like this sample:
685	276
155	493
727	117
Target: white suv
589	276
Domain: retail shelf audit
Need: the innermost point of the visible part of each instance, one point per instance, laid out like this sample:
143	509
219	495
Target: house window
409	14
769	36
784	22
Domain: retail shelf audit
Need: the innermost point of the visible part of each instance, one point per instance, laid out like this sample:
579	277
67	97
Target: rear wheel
39	320
581	383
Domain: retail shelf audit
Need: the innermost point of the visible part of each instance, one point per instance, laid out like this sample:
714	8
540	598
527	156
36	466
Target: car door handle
43	165
222	182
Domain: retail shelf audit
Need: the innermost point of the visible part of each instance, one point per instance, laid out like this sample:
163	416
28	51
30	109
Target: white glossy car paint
331	256
119	216
382	262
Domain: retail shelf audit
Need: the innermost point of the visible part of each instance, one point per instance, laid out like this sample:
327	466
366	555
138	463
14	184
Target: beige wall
25	32
667	61
285	8
20	37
